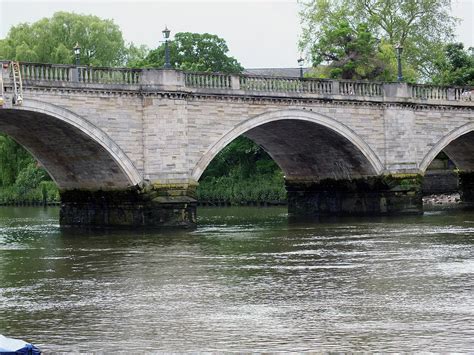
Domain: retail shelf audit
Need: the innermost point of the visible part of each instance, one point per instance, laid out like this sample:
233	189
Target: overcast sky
258	33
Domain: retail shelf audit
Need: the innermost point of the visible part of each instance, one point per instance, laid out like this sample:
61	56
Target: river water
247	279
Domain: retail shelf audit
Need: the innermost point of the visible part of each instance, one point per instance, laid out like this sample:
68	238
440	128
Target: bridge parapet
70	73
235	84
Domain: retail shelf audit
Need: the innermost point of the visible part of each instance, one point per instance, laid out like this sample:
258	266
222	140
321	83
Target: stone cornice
250	97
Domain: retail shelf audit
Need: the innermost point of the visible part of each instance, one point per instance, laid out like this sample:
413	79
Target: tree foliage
242	172
421	27
195	52
246	159
21	180
13	159
351	52
456	66
51	40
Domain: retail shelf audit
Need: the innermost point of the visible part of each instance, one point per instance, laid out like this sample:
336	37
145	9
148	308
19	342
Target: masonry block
153	206
466	187
372	196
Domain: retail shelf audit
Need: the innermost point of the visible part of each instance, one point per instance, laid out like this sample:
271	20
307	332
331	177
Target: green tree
195	52
421	26
13	159
242	158
50	40
242	172
352	53
456	66
135	55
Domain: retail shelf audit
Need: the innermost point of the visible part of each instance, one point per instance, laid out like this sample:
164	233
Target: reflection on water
246	280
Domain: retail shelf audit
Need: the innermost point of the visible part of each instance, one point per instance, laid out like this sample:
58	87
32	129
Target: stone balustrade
109	75
208	80
429	92
46	72
56	73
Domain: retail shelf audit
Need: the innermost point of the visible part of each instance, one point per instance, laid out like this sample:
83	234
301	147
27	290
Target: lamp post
399	49
300	63
166	36
77	52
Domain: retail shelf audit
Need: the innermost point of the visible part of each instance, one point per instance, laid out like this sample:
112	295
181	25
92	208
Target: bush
238	190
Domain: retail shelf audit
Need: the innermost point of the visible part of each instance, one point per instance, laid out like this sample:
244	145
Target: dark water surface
246	280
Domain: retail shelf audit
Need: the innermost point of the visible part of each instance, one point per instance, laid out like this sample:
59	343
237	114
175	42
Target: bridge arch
458	144
357	158
76	153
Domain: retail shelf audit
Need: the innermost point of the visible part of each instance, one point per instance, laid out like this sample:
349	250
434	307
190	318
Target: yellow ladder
17	84
2	99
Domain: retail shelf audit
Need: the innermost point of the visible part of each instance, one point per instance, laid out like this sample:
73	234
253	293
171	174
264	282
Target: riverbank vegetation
22	180
348	39
242	173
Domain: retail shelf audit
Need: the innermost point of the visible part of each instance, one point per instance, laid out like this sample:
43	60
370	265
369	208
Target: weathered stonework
122	128
373	196
466	187
154	206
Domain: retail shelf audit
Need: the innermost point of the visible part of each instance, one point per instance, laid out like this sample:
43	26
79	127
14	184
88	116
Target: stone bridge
127	146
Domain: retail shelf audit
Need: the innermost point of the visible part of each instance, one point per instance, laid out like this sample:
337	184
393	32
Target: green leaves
242	172
51	40
357	28
456	67
195	52
21	179
352	53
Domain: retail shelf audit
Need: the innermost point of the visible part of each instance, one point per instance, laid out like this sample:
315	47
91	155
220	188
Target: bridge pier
155	206
466	187
371	196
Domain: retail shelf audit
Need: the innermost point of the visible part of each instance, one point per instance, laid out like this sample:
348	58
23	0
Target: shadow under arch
458	144
270	130
76	153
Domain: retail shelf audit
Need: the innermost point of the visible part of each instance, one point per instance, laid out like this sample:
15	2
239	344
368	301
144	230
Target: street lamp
166	36
399	49
77	52
300	63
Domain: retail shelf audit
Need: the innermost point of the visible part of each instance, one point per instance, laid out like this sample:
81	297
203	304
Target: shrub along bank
242	173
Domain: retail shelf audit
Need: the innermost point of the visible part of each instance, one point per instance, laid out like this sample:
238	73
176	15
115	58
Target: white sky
258	33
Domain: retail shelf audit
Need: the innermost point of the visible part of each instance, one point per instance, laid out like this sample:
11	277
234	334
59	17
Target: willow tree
50	40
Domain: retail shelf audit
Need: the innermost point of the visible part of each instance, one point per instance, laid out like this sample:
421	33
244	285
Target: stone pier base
372	196
162	205
466	188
